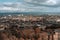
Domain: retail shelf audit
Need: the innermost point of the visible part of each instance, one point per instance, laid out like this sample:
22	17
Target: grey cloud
40	0
43	3
35	0
57	5
35	7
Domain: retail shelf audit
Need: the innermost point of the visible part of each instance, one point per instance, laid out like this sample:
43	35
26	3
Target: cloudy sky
30	5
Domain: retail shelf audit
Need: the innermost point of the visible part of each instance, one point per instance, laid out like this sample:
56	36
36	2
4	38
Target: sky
29	5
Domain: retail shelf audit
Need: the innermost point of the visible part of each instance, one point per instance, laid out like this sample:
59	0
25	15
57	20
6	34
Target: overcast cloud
44	2
31	6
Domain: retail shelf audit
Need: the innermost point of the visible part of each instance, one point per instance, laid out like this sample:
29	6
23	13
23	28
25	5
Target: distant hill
30	13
